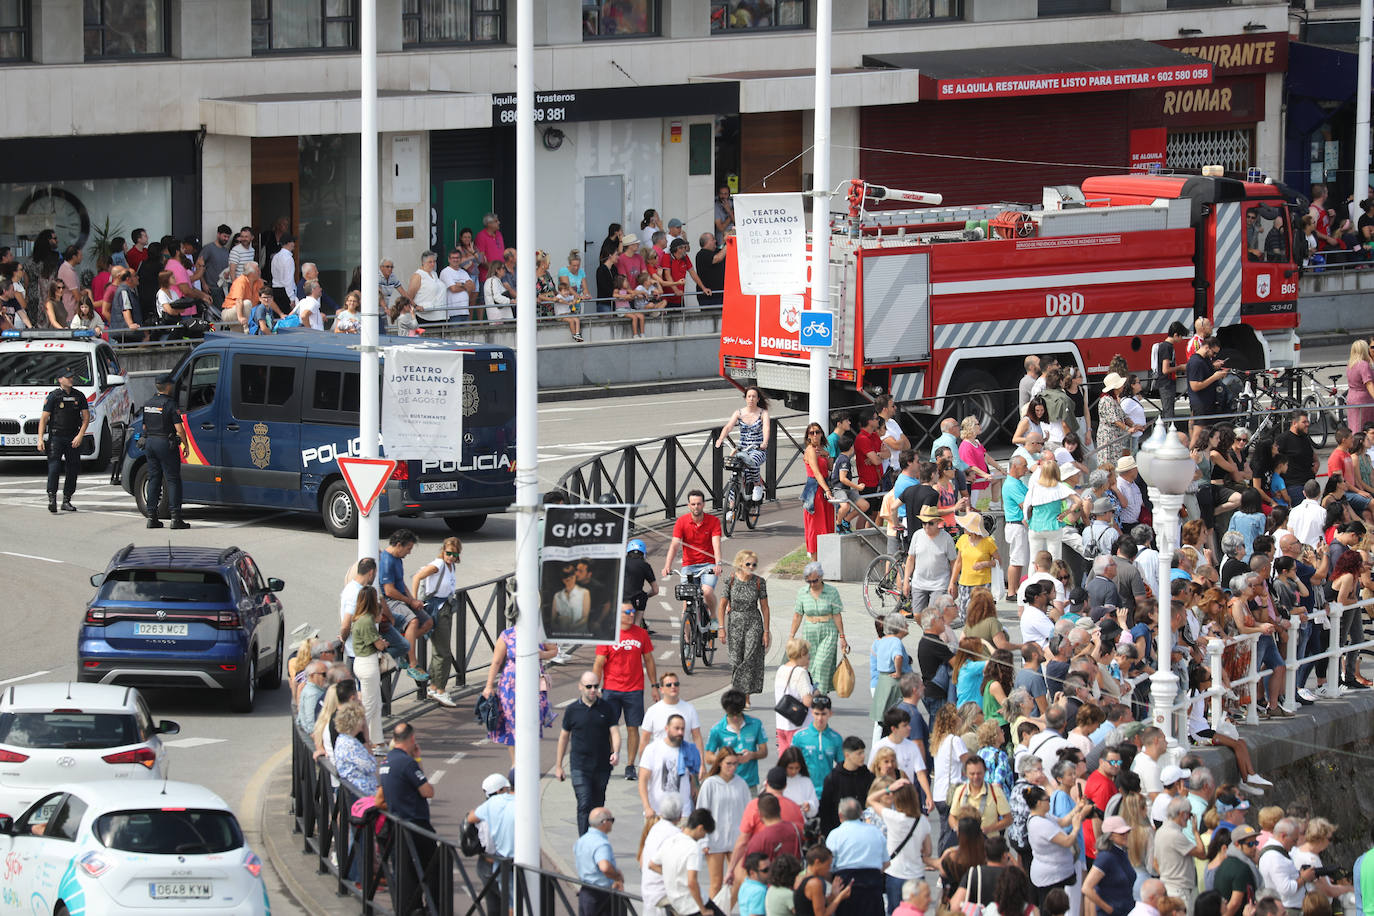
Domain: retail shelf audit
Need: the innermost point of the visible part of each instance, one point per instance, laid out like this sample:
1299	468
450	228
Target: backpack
1092	546
469	842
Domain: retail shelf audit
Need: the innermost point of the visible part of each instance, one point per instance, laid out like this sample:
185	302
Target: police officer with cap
64	420
163	435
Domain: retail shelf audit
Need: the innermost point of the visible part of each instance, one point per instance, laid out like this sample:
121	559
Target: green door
463	204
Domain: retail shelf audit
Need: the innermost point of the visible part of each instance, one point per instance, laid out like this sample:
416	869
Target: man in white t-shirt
651	882
667	767
911	760
1036	625
1146	764
460	287
655	724
1174	782
892	435
309	307
678	860
1044	562
929	561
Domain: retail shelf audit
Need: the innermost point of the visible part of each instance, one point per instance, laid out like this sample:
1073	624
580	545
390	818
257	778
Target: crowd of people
256	282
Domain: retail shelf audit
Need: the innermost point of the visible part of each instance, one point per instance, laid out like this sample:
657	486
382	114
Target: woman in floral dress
501	681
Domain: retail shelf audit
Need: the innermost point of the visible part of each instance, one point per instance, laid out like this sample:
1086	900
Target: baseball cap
1230	801
495	783
1131	729
1172	774
777	778
1243	832
1115	824
674	223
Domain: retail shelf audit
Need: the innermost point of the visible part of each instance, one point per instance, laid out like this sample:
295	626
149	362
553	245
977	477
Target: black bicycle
698	639
737	499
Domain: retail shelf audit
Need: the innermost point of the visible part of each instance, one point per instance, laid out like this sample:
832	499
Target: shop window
125	28
451	22
1190	150
892	12
1072	7
619	18
14	30
304	25
739	15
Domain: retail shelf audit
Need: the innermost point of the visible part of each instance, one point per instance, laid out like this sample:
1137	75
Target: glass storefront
331	211
80	210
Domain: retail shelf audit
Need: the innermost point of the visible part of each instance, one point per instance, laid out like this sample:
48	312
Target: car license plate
180	890
439	486
160	629
18	441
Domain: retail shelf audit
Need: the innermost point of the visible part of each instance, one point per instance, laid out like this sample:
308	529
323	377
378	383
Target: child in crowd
565	307
403	320
625	305
648	294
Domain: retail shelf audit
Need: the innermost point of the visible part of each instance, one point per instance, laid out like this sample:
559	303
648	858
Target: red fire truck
939	306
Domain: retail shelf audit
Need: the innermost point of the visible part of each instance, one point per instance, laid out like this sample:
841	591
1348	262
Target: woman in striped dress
820	616
752	420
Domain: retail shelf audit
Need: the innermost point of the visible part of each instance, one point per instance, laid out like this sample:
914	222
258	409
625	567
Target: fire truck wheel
973	392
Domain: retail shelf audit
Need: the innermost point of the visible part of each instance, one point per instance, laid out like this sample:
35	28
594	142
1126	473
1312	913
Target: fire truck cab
939	306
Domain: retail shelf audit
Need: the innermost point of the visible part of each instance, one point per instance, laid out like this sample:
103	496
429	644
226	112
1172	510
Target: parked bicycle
737	500
698	639
883	580
1324	406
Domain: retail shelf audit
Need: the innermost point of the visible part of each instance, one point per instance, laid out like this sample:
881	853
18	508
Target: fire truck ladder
892	218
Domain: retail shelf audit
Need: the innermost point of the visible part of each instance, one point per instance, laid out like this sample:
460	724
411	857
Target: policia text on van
267	419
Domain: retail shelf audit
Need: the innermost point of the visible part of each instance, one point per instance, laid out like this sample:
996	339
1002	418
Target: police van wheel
340	513
464	524
141	494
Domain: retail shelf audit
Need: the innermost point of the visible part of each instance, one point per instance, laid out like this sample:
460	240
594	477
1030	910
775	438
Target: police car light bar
28	334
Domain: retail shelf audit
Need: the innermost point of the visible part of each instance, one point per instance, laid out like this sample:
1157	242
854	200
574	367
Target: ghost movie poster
581	569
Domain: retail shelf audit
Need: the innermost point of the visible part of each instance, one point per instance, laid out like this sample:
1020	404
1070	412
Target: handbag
488	712
843	679
808	497
789	707
969	908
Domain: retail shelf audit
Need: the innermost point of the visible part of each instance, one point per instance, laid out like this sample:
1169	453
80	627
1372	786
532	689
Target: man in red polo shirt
698	534
870	453
621	669
679	268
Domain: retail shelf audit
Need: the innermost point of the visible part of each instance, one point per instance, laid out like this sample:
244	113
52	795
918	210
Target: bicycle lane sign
817	330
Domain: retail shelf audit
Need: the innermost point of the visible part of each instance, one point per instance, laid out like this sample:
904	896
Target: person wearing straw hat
1114	428
929	561
977	556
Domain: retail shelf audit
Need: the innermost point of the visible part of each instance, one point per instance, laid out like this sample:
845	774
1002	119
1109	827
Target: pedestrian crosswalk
100	497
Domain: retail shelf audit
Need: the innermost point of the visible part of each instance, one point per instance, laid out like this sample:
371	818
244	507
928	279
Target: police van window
105	356
203	380
333	394
267	391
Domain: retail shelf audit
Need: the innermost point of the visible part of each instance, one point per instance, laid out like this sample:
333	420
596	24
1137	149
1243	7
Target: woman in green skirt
820	615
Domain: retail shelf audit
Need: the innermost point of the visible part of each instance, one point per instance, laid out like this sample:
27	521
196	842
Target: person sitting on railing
1350	575
1250	595
1201	732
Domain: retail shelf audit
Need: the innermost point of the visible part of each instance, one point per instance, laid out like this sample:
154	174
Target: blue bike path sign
817	330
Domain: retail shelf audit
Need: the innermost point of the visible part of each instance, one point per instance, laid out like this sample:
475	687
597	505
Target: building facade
178	115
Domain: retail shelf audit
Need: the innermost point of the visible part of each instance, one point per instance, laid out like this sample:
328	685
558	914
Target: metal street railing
382	863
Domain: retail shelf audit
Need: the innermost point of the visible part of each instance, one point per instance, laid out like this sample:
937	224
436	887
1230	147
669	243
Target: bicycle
736	500
698	641
883	581
1322	406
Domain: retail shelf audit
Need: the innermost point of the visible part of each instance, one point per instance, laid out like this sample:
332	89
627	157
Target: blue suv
184	617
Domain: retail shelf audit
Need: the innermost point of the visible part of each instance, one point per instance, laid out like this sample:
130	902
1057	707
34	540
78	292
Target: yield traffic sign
365	478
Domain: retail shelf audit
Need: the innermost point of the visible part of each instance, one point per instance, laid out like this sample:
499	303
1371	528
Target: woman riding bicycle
752	420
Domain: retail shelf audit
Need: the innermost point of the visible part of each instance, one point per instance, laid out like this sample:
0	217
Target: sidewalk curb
294	869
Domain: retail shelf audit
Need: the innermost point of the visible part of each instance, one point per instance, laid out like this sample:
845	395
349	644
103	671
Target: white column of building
527	628
1361	186
820	215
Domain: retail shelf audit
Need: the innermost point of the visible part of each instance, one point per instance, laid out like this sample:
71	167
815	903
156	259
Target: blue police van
267	419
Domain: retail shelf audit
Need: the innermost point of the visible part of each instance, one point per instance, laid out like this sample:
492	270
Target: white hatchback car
65	732
120	847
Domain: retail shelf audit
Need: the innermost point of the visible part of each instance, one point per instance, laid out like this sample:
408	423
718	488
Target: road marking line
250	803
193	742
482	741
436	776
457	757
23	677
565	703
665	655
29	556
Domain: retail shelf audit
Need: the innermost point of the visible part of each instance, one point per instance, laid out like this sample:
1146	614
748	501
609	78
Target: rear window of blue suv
164	585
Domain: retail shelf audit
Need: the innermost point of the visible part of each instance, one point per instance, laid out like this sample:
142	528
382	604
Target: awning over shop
795	90
292	114
1321	72
1095	66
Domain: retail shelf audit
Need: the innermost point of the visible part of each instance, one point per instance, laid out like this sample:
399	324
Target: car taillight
12	757
253	864
143	755
93	864
227	620
402	471
95	617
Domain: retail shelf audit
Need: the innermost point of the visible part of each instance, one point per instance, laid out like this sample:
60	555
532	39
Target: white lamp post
1169	468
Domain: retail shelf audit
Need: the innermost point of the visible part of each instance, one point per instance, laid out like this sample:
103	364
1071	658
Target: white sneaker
1307	695
1256	779
562	658
757	495
1250	789
440	697
1330	691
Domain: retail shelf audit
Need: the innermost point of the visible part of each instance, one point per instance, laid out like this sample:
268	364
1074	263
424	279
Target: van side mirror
113	380
275	585
97	579
168	727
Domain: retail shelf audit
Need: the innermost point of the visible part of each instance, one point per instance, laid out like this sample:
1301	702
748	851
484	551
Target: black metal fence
381	863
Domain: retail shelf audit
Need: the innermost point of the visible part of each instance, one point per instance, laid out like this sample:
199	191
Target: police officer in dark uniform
66	414
163	435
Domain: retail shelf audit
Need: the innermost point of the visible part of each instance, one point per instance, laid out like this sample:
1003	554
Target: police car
31	361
